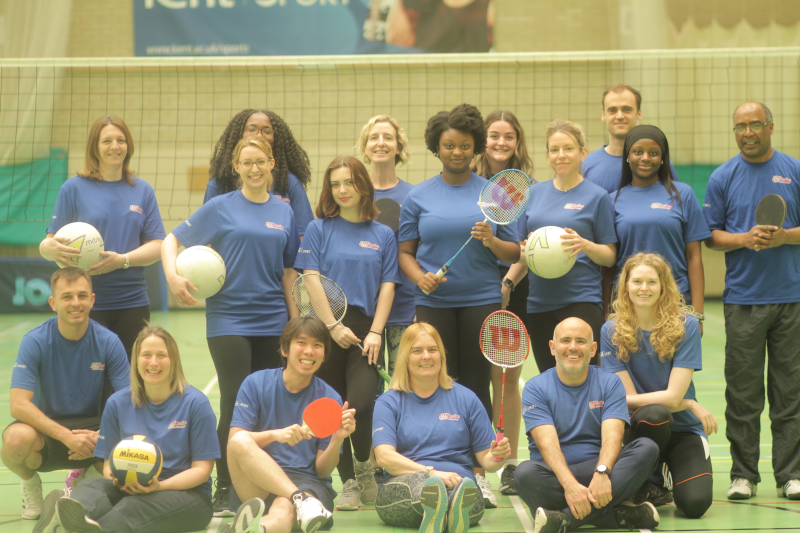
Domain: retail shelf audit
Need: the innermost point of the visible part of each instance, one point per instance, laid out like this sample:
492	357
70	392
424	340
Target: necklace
568	188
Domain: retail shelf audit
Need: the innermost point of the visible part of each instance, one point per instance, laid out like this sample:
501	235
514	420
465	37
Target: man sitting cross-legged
273	460
575	416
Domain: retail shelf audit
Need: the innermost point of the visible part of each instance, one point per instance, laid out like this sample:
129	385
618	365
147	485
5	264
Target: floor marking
210	385
762	505
521	514
214	525
15	328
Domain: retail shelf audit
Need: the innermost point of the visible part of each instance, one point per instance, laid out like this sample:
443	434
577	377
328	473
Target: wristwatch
127	262
508	283
602	469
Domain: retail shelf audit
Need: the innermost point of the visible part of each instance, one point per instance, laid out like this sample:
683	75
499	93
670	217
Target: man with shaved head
575	416
762	301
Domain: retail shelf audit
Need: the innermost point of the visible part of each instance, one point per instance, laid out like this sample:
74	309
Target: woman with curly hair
437	217
652	342
506	148
290	175
383	145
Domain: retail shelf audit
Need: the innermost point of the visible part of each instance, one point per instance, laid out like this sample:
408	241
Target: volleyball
545	254
136	458
204	268
87	240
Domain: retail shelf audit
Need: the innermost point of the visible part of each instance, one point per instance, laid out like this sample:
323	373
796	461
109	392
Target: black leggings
126	323
541	326
351	375
236	357
685	454
460	329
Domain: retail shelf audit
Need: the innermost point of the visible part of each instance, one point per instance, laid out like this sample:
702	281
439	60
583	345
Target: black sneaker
507	485
550	521
221	501
650	492
642	516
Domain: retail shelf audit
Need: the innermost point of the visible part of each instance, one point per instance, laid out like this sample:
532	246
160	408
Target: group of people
612	433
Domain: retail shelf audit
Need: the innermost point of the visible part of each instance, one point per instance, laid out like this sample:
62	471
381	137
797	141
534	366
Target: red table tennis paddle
322	417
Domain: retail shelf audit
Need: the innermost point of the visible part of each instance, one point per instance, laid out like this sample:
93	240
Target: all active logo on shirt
781	179
137	209
240	404
177	424
377	430
367	244
448	416
656	205
273	225
574	206
595	404
528	408
17	365
98	366
188	223
605	354
303	251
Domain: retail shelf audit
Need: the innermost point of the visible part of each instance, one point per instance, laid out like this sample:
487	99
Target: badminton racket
502	200
320	296
505	343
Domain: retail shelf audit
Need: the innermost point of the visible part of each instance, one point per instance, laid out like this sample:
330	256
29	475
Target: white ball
204	267
545	254
86	239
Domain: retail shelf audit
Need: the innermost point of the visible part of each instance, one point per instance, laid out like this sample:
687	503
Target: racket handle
500	436
308	430
440	275
382	373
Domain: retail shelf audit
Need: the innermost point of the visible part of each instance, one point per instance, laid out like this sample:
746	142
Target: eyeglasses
755	127
252	129
261	163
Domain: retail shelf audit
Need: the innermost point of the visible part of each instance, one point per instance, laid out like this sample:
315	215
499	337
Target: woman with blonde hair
424	430
652	342
179	419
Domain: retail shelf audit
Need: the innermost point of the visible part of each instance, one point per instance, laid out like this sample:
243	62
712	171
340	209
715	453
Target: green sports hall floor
766	512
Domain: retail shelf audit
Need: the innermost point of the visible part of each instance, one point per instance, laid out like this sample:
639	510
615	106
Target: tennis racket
503	199
320	296
322	417
389	213
505	343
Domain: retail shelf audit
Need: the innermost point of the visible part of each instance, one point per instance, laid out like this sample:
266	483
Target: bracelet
699	316
376	333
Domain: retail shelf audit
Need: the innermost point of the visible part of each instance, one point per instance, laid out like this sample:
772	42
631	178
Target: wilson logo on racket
596	404
508	196
505	338
273	225
781	179
656	205
367	244
448	416
574	206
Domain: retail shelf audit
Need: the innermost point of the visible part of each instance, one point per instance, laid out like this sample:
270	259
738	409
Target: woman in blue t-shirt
346	244
290	175
652	342
255	234
124	210
654	213
426	430
583	209
160	405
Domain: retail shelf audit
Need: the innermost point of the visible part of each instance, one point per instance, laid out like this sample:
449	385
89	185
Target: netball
545	255
87	240
204	268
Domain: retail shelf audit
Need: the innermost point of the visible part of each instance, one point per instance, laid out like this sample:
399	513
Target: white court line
521	514
210	386
714	318
214	525
15	328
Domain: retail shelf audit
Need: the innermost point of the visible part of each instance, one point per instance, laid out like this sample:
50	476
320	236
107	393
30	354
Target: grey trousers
169	511
753	331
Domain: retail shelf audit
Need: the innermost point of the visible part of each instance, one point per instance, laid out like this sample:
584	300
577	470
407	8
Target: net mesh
177	108
504	197
319	296
504	340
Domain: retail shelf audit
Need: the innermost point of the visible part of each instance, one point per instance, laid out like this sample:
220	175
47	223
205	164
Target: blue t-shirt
296	197
649	374
183	426
441	216
576	412
770	276
257	241
358	256
586	209
605	169
403	311
649	221
67	376
264	403
126	216
442	430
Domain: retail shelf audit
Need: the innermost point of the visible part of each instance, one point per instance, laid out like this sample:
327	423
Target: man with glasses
762	301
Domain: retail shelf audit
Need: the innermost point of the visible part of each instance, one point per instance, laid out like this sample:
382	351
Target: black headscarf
646	131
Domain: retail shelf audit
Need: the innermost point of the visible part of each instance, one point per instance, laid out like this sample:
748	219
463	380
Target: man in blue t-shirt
575	416
762	301
276	463
57	387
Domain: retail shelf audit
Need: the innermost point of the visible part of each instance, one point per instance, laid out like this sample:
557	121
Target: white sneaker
31	499
489	499
350	498
791	489
311	514
365	476
741	489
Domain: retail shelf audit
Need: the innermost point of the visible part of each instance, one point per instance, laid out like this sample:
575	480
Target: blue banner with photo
310	27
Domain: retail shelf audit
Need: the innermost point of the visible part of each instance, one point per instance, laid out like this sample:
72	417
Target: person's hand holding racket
348	423
291	435
319	296
372	347
430	282
768	232
501	450
344	336
482	231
